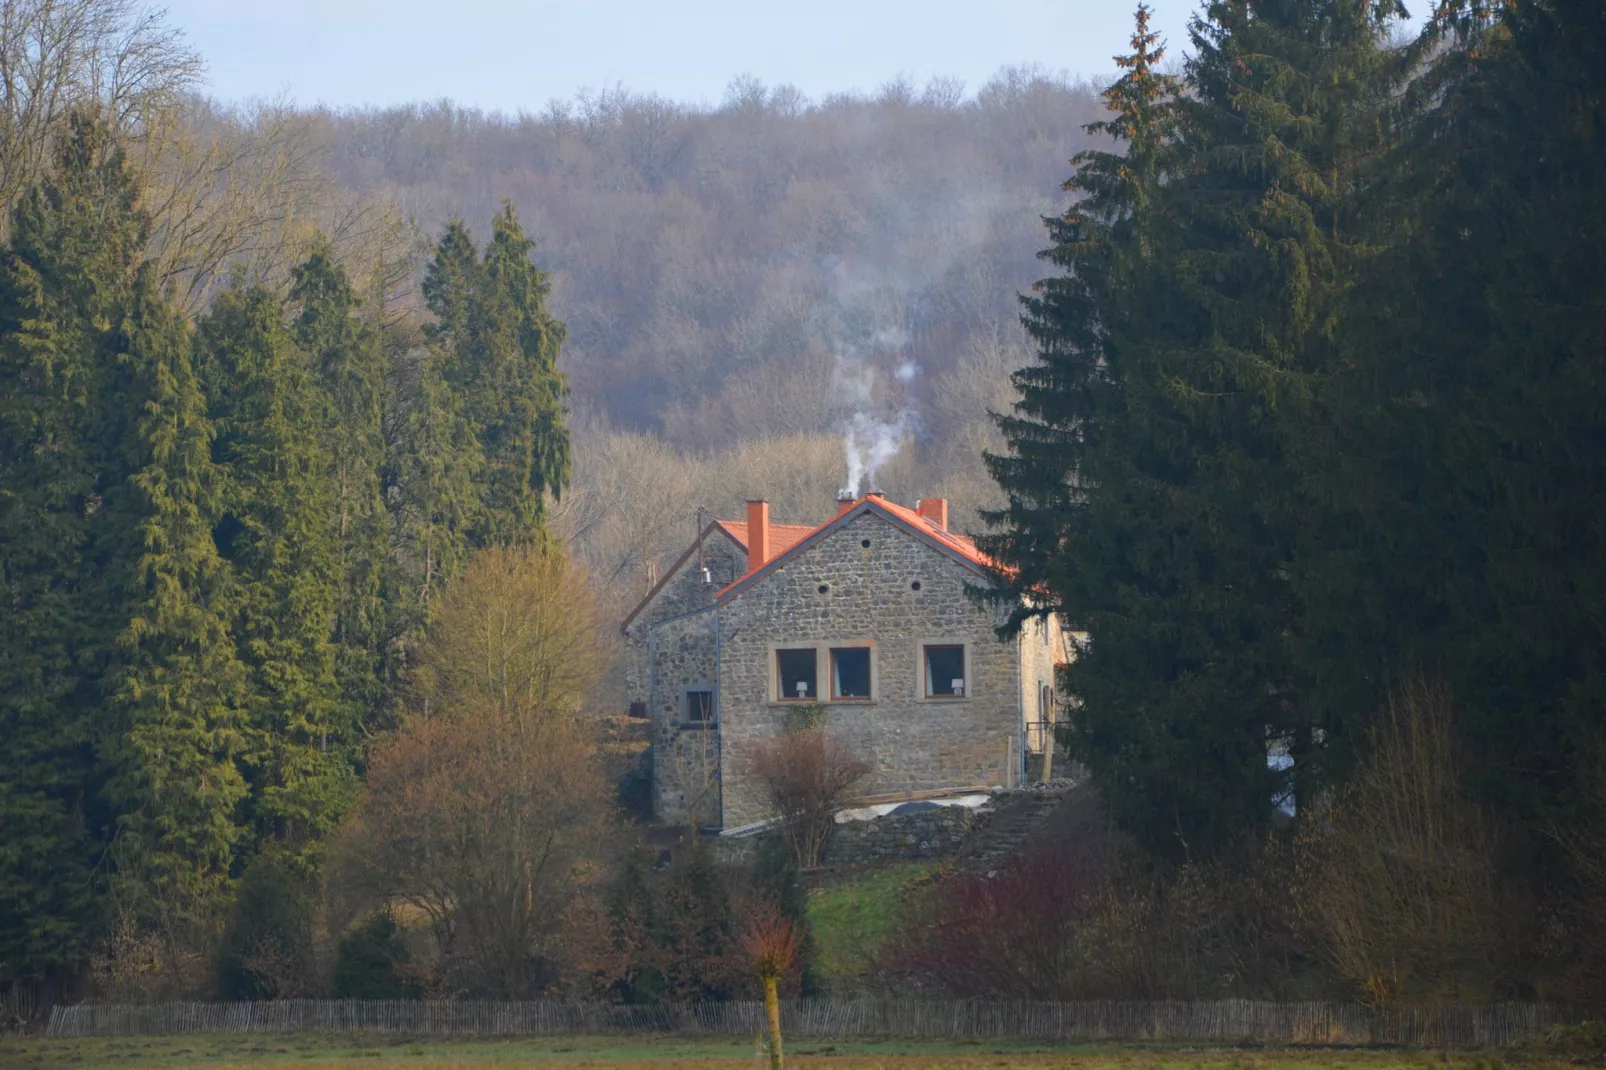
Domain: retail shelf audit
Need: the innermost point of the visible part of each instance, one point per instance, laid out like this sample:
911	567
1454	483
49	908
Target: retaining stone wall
893	837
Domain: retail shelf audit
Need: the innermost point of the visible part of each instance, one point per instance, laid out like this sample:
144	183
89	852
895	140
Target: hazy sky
519	54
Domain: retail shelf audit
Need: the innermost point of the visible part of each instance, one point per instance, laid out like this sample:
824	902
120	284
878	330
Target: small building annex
867	615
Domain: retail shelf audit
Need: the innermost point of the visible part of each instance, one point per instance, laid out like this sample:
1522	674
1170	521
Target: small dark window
850	672
699	706
864	543
915	586
638	709
825	588
945	672
797	675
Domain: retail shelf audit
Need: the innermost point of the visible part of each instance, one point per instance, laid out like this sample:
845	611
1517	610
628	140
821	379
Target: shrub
372	962
1397	876
807	776
266	951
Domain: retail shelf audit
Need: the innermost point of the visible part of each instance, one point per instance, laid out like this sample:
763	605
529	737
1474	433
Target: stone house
866	614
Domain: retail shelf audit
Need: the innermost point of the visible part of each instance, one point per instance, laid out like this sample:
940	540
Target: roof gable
673	570
782	538
959	547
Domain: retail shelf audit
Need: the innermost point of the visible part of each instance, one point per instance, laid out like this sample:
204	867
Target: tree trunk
772	1009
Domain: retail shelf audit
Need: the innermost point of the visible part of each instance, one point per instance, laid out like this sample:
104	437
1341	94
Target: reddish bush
1011	933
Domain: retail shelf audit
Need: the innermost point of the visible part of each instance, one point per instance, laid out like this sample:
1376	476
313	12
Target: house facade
867	615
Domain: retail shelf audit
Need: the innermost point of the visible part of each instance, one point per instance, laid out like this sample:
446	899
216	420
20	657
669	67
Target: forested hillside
772	269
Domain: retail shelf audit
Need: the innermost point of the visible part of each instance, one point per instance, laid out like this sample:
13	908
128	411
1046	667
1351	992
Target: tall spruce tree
1190	497
497	352
276	528
176	712
513	389
1473	449
65	279
349	364
1069	401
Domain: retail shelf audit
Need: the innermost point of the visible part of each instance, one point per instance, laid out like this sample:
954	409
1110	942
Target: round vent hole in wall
915	586
864	543
825	588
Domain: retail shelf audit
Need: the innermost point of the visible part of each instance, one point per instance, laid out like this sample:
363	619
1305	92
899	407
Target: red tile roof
783	546
785	538
782	536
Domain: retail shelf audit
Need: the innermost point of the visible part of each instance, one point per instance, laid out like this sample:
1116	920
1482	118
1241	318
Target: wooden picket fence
1221	1021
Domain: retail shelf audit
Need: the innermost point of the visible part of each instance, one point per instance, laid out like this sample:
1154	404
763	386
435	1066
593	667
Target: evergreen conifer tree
513	389
276	528
64	280
176	709
1186	466
1472	396
497	352
349	364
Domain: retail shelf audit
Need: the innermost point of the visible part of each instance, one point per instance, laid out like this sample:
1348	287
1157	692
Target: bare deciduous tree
807	775
1397	878
488	814
115	57
518	635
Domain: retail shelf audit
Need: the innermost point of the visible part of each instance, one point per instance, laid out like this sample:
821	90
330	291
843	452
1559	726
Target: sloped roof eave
669	573
824	530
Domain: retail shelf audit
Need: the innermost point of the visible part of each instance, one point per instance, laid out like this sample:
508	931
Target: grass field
852	918
365	1053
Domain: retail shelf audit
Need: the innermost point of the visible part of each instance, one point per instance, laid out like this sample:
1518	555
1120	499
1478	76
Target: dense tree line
1315	433
214	537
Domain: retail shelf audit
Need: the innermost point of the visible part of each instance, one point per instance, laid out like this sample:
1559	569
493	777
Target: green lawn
351	1052
852	917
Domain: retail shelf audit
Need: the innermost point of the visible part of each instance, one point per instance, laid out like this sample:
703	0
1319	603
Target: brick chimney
844	503
936	511
758	534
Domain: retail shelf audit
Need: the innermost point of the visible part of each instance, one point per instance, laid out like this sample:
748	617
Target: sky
517	55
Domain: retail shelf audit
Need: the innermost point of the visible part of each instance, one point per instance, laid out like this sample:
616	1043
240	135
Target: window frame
830	661
777	693
686	720
922	674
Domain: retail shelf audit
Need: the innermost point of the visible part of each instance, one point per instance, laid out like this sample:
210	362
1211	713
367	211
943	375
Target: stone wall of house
1040	645
684	593
685	758
927	834
857	586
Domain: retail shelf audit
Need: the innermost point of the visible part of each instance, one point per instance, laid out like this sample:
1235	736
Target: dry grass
367	1053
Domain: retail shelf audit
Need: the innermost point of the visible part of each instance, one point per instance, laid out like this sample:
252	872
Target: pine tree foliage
276	527
176	690
64	279
349	364
513	388
1317	410
214	541
1473	463
497	349
1203	269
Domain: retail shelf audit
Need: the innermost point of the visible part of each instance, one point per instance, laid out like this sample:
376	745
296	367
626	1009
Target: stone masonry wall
913	743
685	759
928	834
1040	645
684	593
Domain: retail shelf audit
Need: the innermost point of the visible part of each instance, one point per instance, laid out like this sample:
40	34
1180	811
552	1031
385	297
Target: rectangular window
850	672
796	675
945	671
697	706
